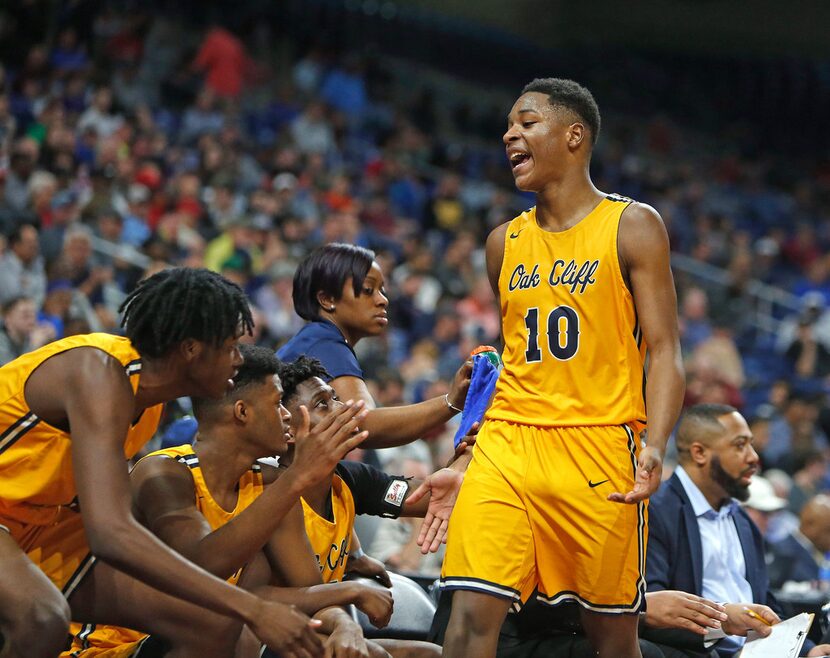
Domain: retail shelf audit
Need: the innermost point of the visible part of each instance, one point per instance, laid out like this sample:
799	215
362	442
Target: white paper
784	641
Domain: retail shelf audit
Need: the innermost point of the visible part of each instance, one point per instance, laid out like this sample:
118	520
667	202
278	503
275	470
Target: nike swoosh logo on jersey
596	484
515	235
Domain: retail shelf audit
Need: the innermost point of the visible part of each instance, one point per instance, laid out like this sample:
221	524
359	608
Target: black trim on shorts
480	585
567	596
78	577
17	430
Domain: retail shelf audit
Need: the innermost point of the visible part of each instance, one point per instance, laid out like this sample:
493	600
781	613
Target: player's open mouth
519	161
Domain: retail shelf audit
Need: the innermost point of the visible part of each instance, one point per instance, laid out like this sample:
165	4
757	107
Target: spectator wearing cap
762	503
815	315
136	226
64	214
21	267
797	558
20	332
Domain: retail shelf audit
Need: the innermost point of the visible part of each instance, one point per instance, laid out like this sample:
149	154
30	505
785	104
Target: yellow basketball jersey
331	541
573	349
114	642
36	477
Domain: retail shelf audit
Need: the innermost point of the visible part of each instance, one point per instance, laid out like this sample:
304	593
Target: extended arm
164	495
645	258
395	426
99	406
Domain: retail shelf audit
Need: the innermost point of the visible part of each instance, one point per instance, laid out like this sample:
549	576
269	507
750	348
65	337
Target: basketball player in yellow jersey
556	493
214	504
70	413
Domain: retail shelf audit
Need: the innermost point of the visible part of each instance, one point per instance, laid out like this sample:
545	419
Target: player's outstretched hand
442	487
673	609
287	631
369	567
318	451
647	481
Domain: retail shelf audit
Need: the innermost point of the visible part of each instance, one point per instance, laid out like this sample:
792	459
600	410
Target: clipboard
784	641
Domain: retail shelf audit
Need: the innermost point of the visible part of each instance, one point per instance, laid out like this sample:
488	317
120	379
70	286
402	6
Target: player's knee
41	627
471	619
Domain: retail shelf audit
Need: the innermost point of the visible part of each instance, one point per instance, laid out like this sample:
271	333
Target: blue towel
482	382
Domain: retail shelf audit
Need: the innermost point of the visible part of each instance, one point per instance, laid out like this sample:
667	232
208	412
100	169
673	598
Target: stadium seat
412	616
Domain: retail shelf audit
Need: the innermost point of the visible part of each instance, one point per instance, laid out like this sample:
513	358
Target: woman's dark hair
180	303
326	270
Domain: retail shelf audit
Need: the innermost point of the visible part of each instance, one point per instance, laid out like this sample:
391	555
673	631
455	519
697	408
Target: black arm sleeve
374	491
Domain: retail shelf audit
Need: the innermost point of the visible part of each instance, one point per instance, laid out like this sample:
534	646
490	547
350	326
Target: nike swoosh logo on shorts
596	484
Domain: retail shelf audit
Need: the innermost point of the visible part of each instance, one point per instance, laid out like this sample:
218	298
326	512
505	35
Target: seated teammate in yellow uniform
555	496
329	507
71	414
213	503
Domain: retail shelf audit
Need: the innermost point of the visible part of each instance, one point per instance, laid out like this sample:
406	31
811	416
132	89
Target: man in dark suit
798	556
701	541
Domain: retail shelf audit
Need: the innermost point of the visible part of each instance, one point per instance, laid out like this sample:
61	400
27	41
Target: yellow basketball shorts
59	549
533	514
91	641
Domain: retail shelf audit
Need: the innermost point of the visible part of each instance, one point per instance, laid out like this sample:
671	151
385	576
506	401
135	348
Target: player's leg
490	558
612	636
34	616
590	549
406	648
108	596
475	623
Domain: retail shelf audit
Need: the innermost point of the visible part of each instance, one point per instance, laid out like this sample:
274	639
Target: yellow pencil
755	615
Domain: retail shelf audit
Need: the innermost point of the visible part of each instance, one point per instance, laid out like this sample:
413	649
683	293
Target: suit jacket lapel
692	533
750	559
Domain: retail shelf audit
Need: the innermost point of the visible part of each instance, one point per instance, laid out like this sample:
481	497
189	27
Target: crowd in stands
132	142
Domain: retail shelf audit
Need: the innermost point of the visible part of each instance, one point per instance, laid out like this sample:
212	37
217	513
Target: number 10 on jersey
562	330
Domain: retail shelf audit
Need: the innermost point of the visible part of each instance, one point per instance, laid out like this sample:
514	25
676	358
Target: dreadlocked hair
180	303
295	373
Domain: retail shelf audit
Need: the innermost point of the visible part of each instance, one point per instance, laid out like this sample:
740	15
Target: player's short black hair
700	423
326	269
259	363
572	96
180	303
295	373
